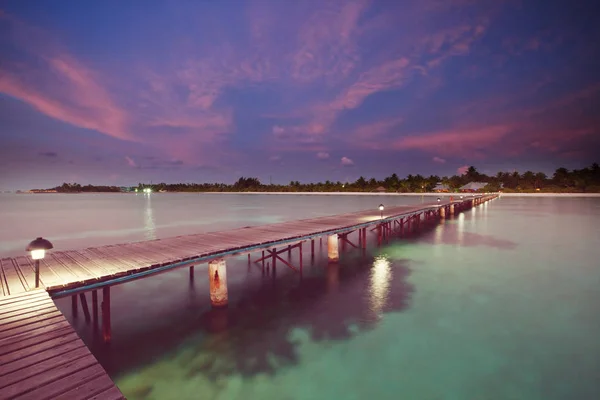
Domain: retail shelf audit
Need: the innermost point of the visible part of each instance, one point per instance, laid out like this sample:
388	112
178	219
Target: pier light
439	199
461	197
38	248
381	209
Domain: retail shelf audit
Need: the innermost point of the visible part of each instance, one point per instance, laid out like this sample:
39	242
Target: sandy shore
412	194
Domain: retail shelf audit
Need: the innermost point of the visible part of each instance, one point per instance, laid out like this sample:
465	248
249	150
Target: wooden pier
41	356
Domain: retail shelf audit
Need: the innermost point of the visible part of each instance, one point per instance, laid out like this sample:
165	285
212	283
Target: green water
500	302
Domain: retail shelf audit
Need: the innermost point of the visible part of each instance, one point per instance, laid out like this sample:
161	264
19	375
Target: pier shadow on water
255	334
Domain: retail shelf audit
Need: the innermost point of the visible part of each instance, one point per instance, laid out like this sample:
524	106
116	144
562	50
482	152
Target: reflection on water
149	225
380	283
461	228
479	306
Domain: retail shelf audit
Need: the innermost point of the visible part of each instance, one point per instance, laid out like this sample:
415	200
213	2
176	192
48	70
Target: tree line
562	181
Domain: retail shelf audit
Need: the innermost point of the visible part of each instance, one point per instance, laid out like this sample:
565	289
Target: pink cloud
462	170
439	160
275	158
322	155
76	98
455	142
327	42
373	135
58	85
389	75
345	161
130	162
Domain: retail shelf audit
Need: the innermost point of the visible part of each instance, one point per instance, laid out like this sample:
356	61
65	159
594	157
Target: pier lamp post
439	200
381	210
38	249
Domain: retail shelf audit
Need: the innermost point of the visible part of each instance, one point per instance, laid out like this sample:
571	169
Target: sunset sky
114	92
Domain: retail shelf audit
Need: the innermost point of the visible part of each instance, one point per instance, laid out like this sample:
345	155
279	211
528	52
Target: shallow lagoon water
499	302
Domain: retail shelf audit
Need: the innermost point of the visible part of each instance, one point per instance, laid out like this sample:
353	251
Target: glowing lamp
439	199
381	209
38	248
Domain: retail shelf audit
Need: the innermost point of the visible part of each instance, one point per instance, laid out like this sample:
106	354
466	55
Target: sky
117	93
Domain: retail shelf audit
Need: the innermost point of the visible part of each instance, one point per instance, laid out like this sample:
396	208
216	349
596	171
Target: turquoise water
500	302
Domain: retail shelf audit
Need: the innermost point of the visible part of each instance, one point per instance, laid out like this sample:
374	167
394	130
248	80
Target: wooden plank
97	388
3	284
48	344
41	356
51	383
20	305
77	269
58	360
31	316
13	281
93	267
27	311
5	301
32	359
27	325
64	274
33	337
94	262
108	265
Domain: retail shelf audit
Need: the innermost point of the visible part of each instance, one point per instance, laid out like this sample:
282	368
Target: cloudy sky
113	92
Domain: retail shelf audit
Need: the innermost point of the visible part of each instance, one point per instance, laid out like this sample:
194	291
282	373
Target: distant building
441	188
472	186
380	189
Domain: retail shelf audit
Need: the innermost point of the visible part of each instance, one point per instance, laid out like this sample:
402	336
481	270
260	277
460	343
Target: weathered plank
41	356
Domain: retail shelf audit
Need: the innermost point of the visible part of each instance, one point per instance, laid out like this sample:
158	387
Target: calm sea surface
499	302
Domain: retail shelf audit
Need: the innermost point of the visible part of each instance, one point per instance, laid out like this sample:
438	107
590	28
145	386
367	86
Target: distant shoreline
429	194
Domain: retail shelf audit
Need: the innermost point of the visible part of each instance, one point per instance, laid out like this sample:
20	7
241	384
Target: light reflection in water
461	228
438	237
149	225
380	283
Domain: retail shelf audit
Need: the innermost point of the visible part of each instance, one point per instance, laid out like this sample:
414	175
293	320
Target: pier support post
74	305
84	307
451	209
106	330
192	273
95	308
332	248
443	212
217	275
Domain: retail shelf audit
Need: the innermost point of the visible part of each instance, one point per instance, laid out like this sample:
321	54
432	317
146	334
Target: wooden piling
74	305
95	308
84	307
192	273
300	255
217	274
106	328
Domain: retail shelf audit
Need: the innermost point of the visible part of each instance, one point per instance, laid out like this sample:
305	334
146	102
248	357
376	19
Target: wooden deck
95	267
41	356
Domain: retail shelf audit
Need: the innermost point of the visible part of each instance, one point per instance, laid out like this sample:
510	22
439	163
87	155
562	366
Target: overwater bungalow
380	189
472	187
441	188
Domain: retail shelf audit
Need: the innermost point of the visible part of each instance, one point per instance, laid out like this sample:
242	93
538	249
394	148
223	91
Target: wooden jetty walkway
41	356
